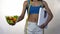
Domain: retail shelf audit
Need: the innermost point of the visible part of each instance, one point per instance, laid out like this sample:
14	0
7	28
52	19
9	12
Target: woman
33	16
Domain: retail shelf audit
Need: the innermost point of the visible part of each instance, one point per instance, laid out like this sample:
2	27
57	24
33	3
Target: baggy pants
32	28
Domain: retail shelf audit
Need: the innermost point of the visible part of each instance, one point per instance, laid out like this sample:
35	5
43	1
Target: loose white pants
32	28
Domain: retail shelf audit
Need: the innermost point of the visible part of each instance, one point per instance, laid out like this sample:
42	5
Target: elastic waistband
29	22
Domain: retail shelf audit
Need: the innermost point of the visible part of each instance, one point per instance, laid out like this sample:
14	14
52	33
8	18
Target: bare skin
34	17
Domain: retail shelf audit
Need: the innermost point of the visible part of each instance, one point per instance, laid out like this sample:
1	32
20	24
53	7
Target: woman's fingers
43	25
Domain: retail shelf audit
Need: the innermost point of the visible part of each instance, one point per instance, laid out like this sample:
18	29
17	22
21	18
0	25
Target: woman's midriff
33	18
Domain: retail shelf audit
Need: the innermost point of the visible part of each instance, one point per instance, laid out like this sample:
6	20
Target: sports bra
34	9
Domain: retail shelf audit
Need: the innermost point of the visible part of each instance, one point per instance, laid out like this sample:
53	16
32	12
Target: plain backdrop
14	7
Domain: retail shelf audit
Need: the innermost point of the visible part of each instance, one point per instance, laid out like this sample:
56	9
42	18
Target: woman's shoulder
25	3
44	2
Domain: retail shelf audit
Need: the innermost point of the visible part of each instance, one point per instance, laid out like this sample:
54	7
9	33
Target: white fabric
41	18
33	29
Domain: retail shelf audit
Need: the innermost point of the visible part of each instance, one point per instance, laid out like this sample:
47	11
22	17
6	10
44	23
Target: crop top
34	9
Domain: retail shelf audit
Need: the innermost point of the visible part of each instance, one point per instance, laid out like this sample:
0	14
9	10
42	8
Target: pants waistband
29	22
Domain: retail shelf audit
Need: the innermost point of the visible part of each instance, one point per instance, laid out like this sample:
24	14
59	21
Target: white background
14	7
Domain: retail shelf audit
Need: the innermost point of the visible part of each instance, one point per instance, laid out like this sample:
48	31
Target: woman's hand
43	25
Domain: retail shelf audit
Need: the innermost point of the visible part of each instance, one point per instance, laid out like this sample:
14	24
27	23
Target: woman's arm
50	15
23	11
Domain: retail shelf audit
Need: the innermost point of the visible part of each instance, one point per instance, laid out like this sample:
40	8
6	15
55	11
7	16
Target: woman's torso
33	17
